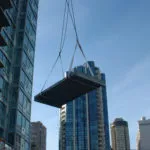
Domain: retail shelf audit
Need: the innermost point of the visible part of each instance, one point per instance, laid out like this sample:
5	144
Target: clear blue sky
115	34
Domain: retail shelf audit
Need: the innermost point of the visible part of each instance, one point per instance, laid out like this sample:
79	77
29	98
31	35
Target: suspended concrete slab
72	86
3	20
5	4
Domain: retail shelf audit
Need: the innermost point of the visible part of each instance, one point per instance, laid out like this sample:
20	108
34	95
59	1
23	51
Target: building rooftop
38	123
144	121
120	122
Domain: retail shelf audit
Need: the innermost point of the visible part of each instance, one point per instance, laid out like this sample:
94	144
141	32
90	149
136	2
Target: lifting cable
72	60
68	11
77	37
62	41
63	36
61	63
64	28
71	13
50	72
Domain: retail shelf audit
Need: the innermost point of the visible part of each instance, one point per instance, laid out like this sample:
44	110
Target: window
22	144
22	22
22	78
24	103
3	89
32	15
28	67
20	39
18	56
30	32
23	123
23	5
28	108
28	47
2	112
1	83
5	70
21	98
18	139
26	83
26	146
19	119
27	127
12	118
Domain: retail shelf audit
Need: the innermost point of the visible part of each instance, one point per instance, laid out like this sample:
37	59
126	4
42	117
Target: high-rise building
4	22
84	121
120	135
38	136
16	77
143	135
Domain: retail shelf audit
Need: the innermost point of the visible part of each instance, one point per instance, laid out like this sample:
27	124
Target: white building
143	136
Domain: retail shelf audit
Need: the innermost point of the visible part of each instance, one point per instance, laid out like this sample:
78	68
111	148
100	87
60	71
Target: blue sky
115	34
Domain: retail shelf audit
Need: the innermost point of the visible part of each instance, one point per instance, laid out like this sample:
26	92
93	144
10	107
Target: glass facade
106	120
86	119
17	75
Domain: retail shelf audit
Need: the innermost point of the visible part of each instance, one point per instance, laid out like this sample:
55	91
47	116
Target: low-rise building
38	136
143	136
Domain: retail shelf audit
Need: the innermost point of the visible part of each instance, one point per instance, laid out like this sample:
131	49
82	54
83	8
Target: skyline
118	36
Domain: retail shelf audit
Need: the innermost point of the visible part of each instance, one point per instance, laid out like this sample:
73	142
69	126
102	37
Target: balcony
1	122
5	4
3	20
2	42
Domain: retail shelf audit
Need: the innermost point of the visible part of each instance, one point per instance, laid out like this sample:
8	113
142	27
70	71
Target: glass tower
16	77
105	112
84	121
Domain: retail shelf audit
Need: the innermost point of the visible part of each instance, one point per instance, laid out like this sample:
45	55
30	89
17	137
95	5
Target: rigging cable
72	60
63	36
50	72
68	11
64	27
61	63
77	37
71	13
62	41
